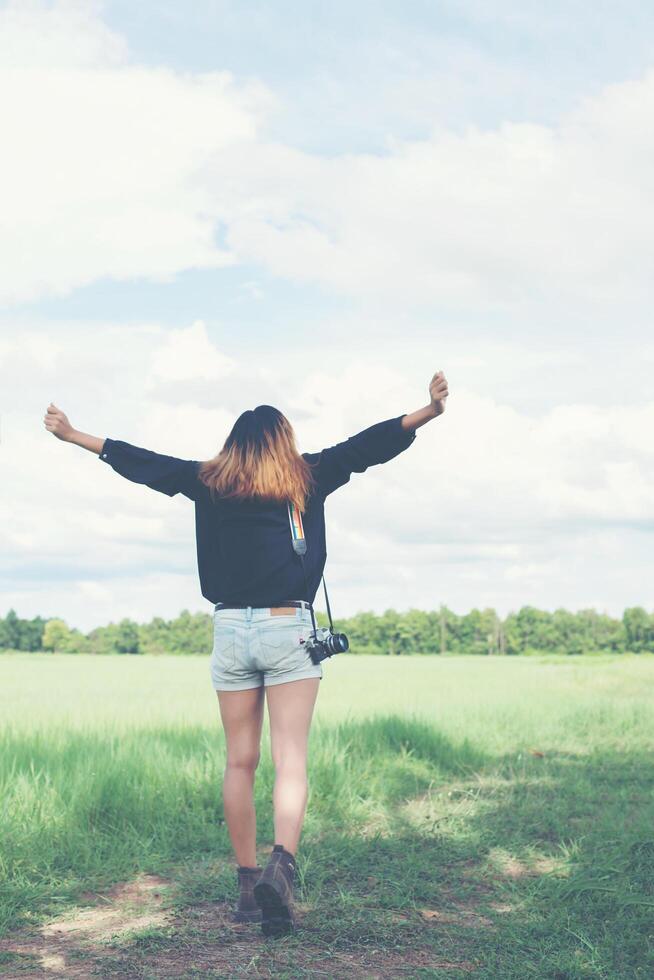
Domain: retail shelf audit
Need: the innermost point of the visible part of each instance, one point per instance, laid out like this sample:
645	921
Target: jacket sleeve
167	474
377	444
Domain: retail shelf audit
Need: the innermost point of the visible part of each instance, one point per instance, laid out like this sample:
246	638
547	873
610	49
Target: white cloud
485	473
502	219
67	34
95	591
115	170
189	355
98	177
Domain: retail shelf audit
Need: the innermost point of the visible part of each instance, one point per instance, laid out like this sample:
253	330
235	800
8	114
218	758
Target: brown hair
260	459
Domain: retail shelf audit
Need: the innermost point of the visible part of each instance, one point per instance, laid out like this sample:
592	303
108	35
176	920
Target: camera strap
300	548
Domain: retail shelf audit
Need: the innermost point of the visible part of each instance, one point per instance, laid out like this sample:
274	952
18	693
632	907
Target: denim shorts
252	647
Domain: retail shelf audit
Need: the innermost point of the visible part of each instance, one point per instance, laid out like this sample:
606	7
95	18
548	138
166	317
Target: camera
322	643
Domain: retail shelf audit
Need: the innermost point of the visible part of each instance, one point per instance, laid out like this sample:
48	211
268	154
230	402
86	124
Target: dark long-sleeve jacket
244	550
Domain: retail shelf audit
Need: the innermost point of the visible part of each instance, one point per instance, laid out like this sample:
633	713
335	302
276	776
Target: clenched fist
438	391
57	423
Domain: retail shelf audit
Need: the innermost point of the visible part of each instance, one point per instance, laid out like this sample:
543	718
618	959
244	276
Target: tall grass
418	766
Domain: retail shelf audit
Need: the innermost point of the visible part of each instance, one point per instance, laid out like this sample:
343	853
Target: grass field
468	817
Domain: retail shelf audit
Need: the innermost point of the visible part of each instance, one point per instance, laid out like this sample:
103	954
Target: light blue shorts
252	648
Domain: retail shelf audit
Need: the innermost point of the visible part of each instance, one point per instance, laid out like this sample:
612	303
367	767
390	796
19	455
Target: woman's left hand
57	423
438	391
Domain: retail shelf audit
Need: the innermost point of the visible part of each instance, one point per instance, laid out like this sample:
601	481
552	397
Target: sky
215	205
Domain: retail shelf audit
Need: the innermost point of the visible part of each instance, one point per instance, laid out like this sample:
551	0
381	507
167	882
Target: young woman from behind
262	606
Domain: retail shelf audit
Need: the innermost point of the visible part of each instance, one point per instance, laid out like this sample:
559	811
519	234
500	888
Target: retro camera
322	643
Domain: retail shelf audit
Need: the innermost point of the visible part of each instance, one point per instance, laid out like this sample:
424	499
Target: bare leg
290	708
242	718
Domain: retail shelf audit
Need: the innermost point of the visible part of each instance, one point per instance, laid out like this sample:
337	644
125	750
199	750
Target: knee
289	764
243	762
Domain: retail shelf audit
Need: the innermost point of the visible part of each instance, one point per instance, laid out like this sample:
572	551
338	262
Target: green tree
126	637
639	631
55	635
528	631
572	637
477	629
393	632
21	634
363	630
436	631
419	630
76	642
446	624
9	631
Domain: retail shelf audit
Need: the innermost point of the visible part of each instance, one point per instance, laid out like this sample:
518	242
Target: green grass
491	817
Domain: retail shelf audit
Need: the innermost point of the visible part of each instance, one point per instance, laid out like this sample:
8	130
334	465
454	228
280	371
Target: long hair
260	459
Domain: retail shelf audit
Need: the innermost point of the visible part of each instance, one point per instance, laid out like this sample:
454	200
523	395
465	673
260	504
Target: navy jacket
244	550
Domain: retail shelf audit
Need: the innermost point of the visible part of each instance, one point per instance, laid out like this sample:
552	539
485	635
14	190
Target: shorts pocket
282	645
224	647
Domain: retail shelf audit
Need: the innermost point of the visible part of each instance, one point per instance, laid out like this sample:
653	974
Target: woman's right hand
438	391
57	423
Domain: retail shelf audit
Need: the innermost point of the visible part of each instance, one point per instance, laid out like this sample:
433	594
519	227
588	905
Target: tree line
527	632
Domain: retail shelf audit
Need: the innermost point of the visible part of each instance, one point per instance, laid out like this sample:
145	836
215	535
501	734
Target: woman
249	570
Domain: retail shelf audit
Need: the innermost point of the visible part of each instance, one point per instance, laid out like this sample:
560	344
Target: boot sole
276	919
247	916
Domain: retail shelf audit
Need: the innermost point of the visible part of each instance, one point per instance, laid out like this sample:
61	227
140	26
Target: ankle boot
247	909
273	892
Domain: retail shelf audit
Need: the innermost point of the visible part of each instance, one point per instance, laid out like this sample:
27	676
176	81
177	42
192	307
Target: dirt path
129	932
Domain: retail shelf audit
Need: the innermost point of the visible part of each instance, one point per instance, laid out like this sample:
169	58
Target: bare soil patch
126	933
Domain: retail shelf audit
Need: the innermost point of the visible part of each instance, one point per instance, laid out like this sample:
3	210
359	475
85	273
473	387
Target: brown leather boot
273	892
247	909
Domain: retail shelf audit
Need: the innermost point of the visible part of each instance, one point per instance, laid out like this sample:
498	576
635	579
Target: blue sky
335	67
217	204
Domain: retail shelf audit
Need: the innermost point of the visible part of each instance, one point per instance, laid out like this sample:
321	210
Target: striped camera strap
297	530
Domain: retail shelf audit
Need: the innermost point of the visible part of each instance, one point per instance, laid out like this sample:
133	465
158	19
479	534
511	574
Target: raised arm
377	444
167	474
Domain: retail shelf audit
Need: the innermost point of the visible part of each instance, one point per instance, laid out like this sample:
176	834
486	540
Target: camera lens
337	642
